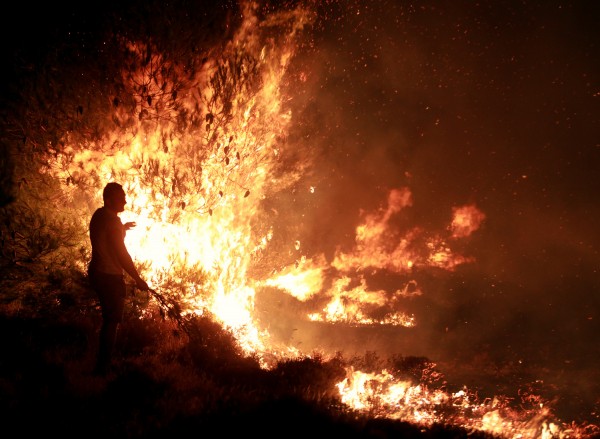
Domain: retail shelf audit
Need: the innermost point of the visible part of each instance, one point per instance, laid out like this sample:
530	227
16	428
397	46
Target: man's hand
129	225
141	284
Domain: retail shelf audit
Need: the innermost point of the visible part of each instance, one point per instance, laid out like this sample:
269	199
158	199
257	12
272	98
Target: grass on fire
165	382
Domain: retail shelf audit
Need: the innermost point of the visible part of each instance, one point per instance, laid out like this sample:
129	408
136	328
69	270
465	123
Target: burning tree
190	117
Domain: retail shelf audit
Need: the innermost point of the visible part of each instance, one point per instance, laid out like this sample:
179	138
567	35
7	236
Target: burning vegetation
197	122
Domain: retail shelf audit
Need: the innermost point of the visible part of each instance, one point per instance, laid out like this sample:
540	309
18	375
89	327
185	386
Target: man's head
114	197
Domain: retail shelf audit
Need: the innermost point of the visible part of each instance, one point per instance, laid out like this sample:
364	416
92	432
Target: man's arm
117	242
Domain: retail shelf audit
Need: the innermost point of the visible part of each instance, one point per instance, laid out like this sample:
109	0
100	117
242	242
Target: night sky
494	103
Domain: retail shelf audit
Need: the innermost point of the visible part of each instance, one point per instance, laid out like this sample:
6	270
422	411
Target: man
110	260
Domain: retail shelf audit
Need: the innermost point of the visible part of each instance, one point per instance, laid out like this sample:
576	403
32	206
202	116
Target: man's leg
111	293
108	335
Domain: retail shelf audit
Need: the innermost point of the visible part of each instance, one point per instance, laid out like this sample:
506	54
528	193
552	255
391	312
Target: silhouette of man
110	260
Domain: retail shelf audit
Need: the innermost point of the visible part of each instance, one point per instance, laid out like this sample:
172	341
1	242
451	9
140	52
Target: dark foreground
165	382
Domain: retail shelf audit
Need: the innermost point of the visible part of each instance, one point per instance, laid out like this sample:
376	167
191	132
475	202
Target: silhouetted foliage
167	383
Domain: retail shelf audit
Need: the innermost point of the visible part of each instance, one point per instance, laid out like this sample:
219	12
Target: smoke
489	104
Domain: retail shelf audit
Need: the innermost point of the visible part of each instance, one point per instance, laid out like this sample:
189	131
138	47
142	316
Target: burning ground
399	198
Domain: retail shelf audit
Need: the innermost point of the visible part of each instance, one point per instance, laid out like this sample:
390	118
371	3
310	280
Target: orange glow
196	195
302	281
382	395
466	220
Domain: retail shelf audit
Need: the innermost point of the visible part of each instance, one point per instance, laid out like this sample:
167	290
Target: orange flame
377	247
466	220
195	195
382	395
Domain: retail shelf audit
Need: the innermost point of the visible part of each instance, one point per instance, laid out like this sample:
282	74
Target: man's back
104	222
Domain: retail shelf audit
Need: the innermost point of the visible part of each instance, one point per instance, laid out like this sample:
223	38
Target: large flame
196	197
378	246
194	194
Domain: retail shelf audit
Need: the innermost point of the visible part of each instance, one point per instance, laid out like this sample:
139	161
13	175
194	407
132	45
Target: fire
378	247
302	281
466	220
195	192
383	395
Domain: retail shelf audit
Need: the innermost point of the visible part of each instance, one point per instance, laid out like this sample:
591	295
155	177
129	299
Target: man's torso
104	255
